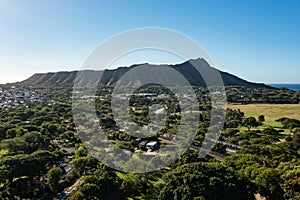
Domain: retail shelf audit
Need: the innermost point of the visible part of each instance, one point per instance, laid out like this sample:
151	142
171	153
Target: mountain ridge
110	76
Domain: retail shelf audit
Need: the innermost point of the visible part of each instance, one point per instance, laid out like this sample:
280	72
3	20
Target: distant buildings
15	97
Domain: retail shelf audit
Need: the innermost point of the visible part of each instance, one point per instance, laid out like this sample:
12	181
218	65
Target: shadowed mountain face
110	77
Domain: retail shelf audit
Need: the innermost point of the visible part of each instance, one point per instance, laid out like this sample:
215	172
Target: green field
270	111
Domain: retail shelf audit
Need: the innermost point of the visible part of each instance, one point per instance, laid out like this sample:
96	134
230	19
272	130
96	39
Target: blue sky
256	40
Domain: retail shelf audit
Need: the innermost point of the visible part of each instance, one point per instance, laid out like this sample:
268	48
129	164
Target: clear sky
256	40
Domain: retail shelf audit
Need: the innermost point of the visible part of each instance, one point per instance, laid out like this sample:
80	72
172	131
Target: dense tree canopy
205	181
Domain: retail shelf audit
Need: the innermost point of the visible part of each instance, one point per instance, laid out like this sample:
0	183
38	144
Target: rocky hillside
110	77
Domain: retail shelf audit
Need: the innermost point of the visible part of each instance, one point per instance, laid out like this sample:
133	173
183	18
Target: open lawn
270	111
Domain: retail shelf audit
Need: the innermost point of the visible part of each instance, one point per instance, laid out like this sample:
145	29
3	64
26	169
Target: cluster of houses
19	97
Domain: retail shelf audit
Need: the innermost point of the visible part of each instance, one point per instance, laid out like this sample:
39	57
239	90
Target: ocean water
289	86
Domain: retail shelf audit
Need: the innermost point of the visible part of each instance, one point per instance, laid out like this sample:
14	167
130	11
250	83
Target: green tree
266	180
289	123
11	133
261	118
204	181
19	165
78	195
135	184
81	152
81	165
54	178
296	137
100	185
291	184
250	122
270	131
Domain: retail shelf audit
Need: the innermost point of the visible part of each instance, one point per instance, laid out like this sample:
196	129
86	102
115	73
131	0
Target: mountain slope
110	77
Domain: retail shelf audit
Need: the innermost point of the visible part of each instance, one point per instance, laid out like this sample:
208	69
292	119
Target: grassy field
270	111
